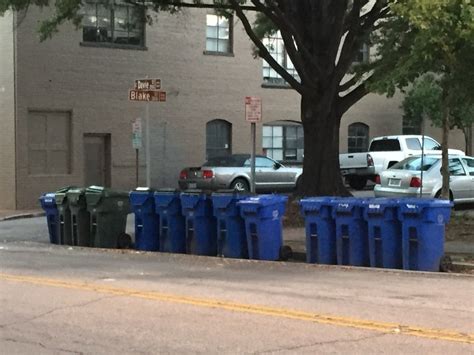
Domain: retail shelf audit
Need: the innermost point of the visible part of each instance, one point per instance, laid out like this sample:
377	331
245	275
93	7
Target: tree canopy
427	36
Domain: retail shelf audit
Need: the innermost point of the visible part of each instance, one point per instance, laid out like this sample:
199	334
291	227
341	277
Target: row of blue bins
389	233
221	224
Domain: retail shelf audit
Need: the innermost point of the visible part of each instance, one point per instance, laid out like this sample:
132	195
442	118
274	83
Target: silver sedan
233	172
404	178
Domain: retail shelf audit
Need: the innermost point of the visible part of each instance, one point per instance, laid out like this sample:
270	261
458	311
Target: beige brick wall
92	83
7	113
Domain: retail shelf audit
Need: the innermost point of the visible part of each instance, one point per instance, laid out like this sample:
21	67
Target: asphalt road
59	300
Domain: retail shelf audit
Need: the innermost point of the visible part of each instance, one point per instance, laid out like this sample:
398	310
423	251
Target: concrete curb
22	216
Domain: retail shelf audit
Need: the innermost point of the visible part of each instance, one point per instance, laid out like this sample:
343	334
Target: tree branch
263	52
348	100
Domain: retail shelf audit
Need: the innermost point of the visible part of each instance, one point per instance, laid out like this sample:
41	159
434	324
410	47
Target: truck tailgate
353	161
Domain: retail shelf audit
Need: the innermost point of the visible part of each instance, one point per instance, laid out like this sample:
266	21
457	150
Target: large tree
427	36
322	39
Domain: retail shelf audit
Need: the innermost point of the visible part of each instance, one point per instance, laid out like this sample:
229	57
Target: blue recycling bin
423	229
146	221
48	203
263	223
201	236
384	233
351	232
320	229
231	237
172	231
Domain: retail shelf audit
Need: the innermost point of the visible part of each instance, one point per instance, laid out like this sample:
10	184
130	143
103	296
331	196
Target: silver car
404	178
233	172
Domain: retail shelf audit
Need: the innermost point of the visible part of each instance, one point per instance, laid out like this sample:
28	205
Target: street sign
147	95
253	109
137	133
148	84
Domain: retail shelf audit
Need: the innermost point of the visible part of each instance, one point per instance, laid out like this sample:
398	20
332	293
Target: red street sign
147	95
253	109
148	84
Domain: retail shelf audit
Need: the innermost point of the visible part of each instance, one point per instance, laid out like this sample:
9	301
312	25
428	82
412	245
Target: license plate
192	185
394	182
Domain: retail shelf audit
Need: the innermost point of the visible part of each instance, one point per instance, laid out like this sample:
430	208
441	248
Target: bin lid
75	194
95	193
346	204
416	205
315	203
60	194
224	199
48	200
143	189
264	200
378	205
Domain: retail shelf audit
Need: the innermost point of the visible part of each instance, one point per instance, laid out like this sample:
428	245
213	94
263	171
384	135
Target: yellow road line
440	334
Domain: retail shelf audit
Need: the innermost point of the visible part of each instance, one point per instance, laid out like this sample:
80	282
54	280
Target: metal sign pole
422	151
252	162
137	162
147	144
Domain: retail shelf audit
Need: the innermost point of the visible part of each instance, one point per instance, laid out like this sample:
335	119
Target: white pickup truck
383	152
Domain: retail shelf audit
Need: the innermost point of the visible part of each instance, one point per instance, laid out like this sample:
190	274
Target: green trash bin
108	217
80	217
64	216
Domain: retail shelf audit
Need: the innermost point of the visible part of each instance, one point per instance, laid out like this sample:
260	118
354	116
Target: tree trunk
321	172
467	130
444	147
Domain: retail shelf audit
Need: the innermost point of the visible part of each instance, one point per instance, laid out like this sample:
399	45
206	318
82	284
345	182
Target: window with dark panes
363	54
218	138
113	22
283	142
358	137
410	127
218	34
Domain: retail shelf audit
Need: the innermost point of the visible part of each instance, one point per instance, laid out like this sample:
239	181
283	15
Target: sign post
147	90
253	114
137	144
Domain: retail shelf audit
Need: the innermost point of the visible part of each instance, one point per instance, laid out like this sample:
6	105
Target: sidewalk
6	215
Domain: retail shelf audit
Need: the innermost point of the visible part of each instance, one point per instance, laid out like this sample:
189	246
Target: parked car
383	153
233	172
404	178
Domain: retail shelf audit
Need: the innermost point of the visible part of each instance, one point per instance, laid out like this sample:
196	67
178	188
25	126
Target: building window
358	138
363	55
218	34
49	143
283	142
411	126
218	138
113	22
276	48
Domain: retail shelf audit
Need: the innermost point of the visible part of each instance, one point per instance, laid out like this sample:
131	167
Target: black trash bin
109	210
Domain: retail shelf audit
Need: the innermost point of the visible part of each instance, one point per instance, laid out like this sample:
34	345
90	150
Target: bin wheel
446	264
285	253
124	241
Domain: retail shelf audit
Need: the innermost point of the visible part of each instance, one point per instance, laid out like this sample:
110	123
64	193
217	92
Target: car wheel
357	183
240	185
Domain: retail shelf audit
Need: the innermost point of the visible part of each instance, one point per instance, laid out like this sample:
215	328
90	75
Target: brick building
65	118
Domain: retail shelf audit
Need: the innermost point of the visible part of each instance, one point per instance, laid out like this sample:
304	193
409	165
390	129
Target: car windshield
414	163
227	161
